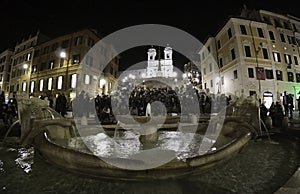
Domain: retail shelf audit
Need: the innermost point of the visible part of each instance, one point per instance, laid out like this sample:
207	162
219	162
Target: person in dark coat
61	104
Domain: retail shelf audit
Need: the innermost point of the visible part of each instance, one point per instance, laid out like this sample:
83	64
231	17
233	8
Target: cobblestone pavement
293	184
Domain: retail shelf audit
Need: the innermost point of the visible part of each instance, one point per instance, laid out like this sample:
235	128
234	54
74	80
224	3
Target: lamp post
27	74
63	55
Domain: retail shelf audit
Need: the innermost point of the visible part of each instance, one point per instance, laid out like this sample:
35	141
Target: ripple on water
261	167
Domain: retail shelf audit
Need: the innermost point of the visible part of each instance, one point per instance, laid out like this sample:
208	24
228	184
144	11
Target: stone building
5	67
65	64
257	52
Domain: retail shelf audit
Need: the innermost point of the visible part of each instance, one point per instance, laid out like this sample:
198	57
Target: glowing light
63	54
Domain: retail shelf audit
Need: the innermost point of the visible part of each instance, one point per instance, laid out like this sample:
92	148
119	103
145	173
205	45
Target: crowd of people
134	101
8	109
137	100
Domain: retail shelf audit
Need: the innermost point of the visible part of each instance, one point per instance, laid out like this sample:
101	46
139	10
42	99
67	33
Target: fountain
136	154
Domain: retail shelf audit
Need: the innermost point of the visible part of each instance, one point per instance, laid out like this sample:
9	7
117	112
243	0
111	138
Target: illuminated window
86	79
50	83
73	80
41	85
276	56
32	86
28	57
24	86
59	82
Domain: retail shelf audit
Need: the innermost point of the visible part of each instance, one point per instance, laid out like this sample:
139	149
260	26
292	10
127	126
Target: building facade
64	64
5	67
257	53
22	62
160	67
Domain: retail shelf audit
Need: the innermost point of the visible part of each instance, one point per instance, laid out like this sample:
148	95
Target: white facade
160	67
231	61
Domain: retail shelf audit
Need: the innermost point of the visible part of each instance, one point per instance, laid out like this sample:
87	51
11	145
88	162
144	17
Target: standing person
285	104
61	104
291	105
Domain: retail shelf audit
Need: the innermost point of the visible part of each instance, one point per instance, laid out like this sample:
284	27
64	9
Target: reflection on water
25	159
185	145
260	168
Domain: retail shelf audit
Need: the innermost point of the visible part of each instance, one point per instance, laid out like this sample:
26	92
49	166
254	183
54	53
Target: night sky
57	17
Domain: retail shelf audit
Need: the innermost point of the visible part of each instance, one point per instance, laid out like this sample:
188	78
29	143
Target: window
219	44
293	40
222	80
260	32
24	86
269	74
28	57
250	72
32	86
50	79
272	37
289	39
73	80
205	85
276	56
232	54
204	71
33	69
235	74
208	48
265	53
59	82
210	67
296	60
282	37
288	58
51	64
243	29
247	51
229	33
41	85
290	76
221	62
211	83
279	75
78	40
76	59
87	79
298	78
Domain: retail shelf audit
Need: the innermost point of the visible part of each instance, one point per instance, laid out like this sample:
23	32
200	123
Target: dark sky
55	17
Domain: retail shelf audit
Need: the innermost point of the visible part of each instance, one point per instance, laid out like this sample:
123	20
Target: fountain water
143	153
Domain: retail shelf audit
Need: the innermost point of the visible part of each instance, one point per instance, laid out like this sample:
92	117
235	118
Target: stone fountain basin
52	147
